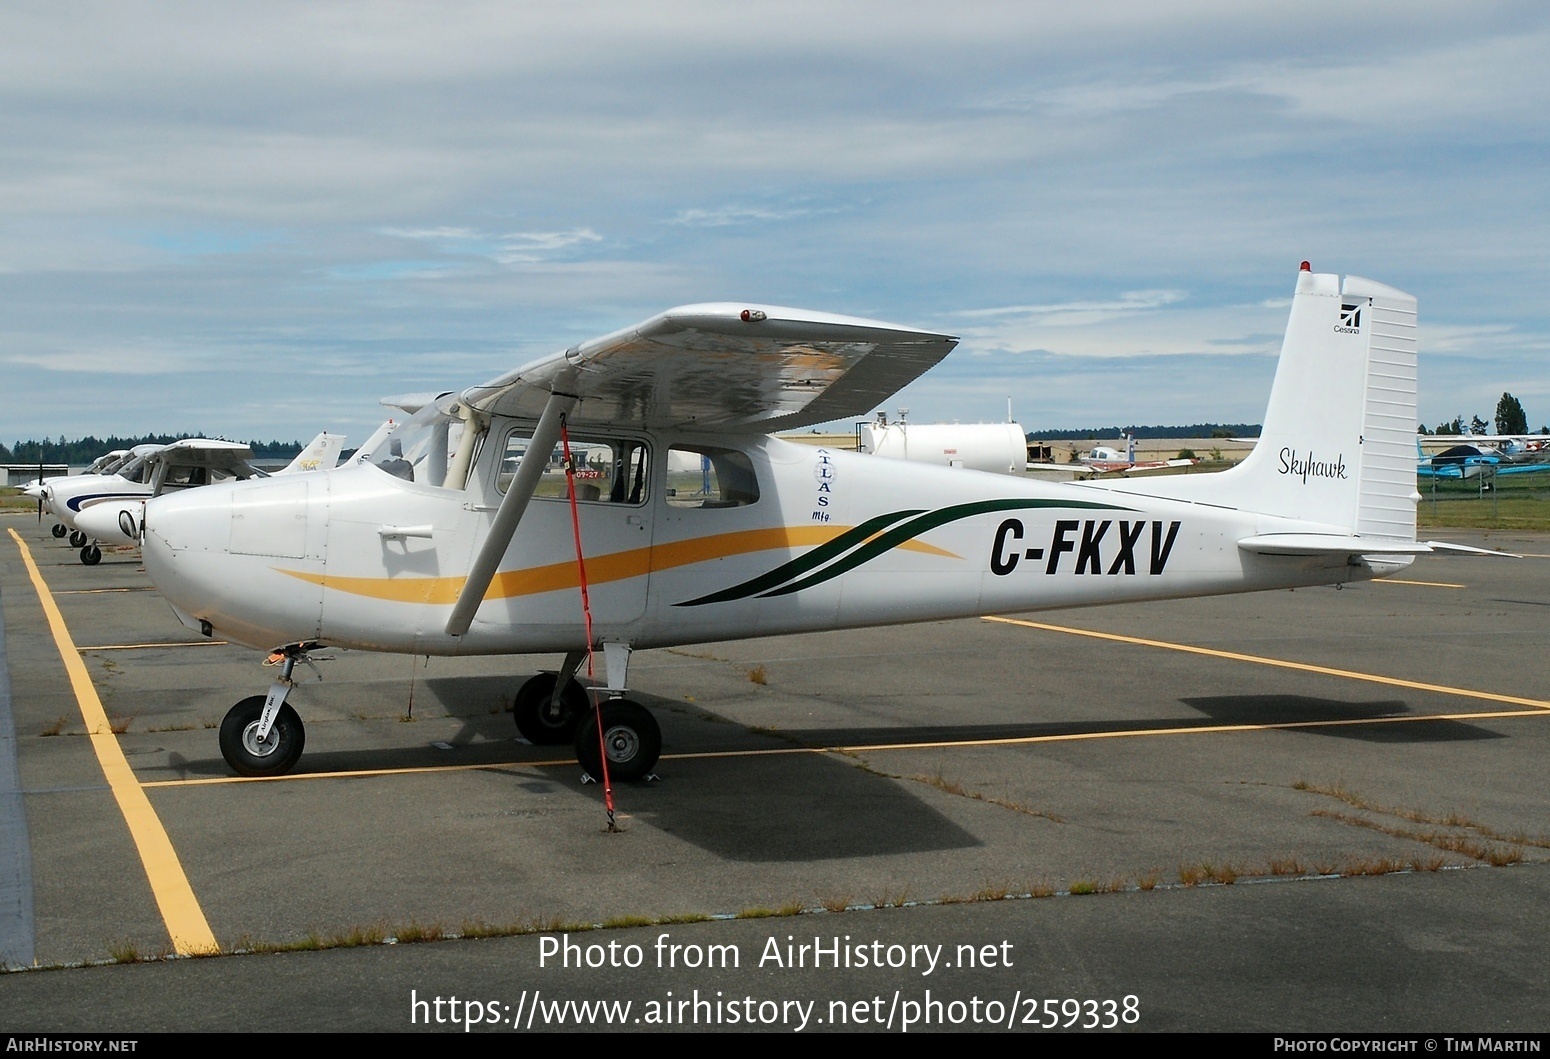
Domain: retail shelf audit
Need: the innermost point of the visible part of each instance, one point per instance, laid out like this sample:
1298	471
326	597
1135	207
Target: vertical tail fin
321	454
1337	444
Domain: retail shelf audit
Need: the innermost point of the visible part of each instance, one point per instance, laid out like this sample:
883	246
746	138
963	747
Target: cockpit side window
709	477
608	470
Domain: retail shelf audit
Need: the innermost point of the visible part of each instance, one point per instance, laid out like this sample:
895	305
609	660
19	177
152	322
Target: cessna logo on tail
1305	466
1350	319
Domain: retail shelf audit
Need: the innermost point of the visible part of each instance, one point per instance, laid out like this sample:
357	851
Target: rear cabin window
708	477
608	470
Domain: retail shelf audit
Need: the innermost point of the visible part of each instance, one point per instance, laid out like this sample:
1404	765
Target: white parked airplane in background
1105	460
152	468
467	537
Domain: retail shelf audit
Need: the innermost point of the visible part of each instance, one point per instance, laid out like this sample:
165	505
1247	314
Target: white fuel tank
1000	448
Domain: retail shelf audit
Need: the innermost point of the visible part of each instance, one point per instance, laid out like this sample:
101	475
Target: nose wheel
272	755
91	555
631	739
77	539
59	531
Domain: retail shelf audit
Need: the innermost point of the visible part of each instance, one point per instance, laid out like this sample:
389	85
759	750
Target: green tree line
1509	419
84	450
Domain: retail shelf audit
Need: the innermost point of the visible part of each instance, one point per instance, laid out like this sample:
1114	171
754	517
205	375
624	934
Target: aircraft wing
724	366
205	452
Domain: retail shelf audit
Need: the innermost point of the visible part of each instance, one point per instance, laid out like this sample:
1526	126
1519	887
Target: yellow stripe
1424	584
601	569
858	748
148	646
1371	678
180	910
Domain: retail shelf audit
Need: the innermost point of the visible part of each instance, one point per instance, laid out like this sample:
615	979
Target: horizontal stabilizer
1351	544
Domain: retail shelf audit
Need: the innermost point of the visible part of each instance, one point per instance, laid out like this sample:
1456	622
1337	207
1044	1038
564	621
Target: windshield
135	470
433	447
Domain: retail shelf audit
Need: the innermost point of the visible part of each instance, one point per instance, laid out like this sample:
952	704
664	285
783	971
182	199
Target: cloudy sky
256	219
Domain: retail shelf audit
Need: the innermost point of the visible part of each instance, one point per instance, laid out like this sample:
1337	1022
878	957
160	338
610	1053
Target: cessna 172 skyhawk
154	468
463	535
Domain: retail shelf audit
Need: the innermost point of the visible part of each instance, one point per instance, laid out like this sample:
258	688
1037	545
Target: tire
77	539
630	733
59	530
541	726
91	555
276	755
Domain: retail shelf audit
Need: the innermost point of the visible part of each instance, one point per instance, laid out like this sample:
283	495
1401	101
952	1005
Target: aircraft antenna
586	613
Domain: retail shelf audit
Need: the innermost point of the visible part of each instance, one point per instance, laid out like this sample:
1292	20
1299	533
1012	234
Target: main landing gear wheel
543	724
91	555
59	530
77	539
631	738
240	745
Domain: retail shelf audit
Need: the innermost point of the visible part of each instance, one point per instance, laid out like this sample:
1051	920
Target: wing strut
521	490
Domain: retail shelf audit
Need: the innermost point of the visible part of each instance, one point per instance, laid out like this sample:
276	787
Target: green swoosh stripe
802	564
929	521
770	584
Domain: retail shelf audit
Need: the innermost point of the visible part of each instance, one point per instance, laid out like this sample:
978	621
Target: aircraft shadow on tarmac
779	809
1303	709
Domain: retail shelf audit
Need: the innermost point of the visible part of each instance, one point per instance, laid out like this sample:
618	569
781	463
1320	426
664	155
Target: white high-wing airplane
464	535
152	469
66	496
189	464
1105	460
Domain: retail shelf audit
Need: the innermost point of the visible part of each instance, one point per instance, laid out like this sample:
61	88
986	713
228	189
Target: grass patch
1149	880
947	786
758	675
120	725
1084	886
1453	818
683	917
1467	845
1225	874
1504	511
124	952
57	726
1285	866
628	921
415	933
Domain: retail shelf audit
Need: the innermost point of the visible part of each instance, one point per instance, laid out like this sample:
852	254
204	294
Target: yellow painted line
148	646
96	591
1371	678
860	748
180	909
358	774
1424	584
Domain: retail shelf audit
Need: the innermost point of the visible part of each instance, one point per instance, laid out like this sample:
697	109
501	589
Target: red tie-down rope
586	613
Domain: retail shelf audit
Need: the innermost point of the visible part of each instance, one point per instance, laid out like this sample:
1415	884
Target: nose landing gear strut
261	735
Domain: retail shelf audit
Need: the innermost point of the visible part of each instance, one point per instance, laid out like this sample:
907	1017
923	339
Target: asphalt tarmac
1296	811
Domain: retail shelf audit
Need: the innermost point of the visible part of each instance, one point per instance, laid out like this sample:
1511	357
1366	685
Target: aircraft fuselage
359	558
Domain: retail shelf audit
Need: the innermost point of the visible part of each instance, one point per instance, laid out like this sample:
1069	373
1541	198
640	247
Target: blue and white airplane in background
1472	461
